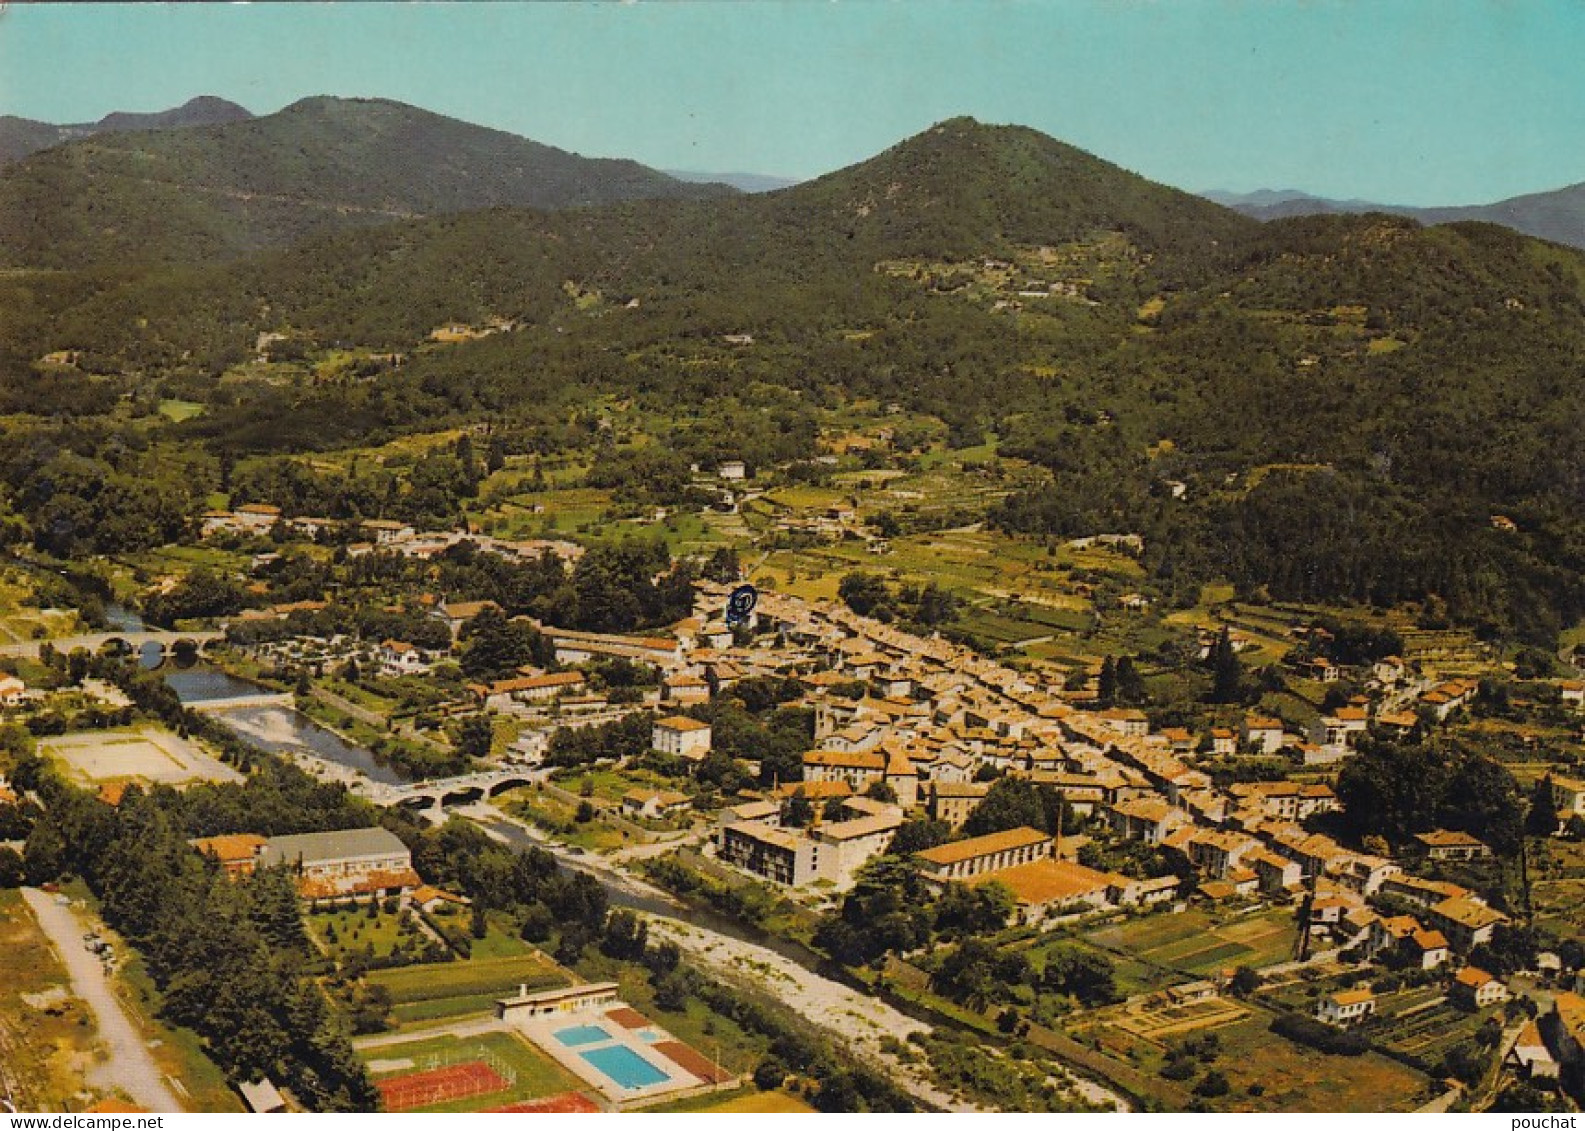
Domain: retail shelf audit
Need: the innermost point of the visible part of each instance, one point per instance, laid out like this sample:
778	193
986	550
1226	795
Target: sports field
148	755
461	1074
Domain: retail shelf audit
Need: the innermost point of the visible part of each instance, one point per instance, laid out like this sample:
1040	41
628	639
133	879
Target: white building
681	737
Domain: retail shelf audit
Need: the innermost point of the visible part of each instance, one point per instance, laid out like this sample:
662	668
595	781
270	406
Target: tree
963	910
1106	685
1213	1084
770	1075
494	647
1542	818
1087	975
626	936
1010	803
866	594
12	871
881	790
475	735
1246	980
1227	672
1130	684
797	811
918	835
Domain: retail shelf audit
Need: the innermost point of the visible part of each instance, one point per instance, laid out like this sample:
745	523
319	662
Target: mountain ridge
220	191
22	137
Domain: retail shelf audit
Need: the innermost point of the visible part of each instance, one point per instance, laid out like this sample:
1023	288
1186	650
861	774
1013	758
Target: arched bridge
120	641
464	790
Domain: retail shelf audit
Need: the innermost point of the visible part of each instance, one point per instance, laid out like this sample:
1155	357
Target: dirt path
128	1065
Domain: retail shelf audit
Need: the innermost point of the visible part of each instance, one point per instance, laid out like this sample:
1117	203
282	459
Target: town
893	800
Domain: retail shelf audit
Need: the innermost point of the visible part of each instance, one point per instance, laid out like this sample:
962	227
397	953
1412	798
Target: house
1569	796
457	614
858	768
1276	874
256	518
1473	988
1047	886
1146	819
1529	1058
237	853
503	694
1126	721
1179	740
952	802
965	859
262	1098
12	691
1346	1007
1224	742
902	778
831	851
1342	728
1421	891
1320	669
348	862
1465	921
1564	1029
1571	693
1445	844
1429	948
398	657
655	804
681	737
581	647
1286	800
1263	735
685	689
430	899
732	469
386	532
1390	670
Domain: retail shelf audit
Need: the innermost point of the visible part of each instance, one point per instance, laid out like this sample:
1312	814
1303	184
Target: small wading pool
625	1066
582	1035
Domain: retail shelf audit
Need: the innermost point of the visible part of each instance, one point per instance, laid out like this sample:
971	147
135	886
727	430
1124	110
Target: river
278	729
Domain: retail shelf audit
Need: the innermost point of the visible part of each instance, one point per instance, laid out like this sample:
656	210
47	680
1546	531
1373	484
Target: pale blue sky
1400	101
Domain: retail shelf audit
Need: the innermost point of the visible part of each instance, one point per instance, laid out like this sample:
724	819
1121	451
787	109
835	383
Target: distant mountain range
744	182
1558	215
21	137
136	189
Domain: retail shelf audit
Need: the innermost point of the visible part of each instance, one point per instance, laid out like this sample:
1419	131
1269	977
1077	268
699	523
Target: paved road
128	1066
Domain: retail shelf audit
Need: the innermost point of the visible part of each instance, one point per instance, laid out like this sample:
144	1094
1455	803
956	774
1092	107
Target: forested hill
21	136
197	194
1346	401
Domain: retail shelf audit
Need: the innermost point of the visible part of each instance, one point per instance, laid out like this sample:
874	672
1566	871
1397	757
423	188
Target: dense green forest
1328	408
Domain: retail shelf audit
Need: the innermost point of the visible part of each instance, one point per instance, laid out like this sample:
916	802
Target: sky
1417	102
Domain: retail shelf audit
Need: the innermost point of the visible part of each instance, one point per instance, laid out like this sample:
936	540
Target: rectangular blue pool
581	1035
625	1066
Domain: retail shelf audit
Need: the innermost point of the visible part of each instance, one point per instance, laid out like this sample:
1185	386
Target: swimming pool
625	1066
582	1035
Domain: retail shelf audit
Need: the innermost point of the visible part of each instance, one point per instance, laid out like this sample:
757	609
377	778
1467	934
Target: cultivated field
1196	943
455	989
